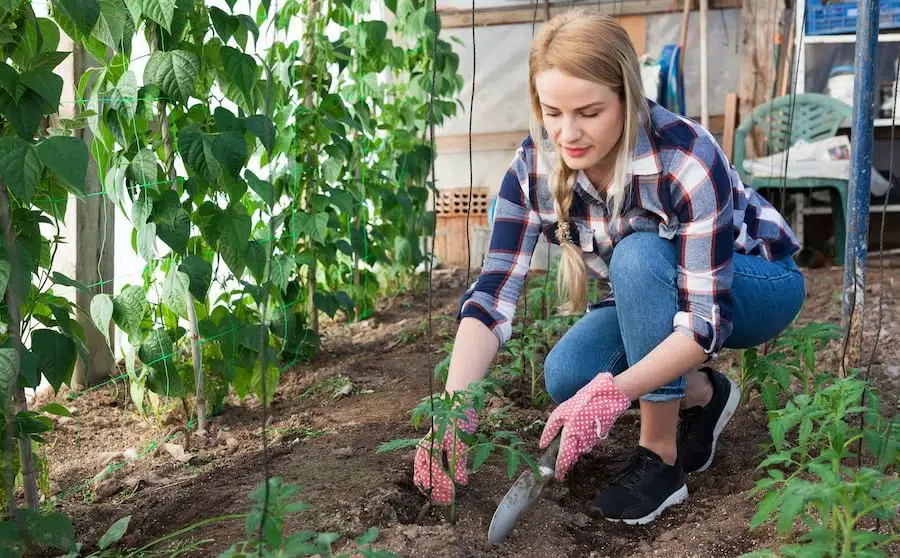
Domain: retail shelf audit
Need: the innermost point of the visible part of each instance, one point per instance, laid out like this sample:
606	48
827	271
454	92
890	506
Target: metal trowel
523	495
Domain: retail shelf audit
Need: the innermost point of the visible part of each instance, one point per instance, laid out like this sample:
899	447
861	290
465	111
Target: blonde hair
596	48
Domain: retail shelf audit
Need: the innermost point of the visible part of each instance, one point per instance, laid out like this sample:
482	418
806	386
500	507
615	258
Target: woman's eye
551	114
590	115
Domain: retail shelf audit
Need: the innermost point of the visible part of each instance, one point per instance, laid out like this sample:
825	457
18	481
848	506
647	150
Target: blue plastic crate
833	18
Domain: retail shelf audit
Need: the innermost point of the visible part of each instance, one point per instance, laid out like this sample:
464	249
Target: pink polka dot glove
443	491
585	418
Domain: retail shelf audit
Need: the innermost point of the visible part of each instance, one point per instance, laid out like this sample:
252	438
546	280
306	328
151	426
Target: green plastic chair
815	117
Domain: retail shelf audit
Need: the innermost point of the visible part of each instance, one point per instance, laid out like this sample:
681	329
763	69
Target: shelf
892	37
886	122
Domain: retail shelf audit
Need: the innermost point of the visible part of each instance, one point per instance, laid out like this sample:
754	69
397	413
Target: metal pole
704	64
861	165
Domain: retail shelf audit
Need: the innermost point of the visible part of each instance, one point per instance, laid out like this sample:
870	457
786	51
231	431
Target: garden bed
330	415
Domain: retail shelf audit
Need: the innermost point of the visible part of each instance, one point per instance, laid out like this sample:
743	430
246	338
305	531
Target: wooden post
731	107
760	21
95	241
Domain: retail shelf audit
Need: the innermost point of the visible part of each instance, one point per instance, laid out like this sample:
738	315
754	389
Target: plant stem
26	457
169	154
187	529
311	14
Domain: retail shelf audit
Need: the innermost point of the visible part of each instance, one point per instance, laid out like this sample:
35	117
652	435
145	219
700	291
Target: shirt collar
645	162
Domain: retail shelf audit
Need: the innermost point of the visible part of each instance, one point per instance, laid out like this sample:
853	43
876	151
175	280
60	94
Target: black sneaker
642	490
699	427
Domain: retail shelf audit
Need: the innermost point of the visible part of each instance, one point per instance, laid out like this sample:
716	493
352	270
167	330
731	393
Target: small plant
265	529
813	480
445	411
793	358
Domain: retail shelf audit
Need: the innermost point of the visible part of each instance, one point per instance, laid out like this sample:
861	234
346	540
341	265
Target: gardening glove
584	418
443	489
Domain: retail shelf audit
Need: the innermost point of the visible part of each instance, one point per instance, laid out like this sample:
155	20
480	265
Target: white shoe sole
734	398
677	497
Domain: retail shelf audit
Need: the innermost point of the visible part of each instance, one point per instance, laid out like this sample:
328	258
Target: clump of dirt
330	415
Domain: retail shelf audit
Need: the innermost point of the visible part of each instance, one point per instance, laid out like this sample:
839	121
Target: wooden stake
682	43
731	110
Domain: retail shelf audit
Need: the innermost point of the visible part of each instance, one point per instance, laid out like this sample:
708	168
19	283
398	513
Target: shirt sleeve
493	297
704	244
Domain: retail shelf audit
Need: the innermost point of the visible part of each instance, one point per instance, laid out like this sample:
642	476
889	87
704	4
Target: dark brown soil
327	445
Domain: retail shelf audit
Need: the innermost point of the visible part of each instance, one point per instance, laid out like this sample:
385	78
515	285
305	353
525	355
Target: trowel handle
549	457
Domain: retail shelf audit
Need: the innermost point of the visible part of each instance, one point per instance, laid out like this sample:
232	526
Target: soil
326	443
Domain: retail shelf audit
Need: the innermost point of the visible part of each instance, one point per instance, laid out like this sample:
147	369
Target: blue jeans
767	297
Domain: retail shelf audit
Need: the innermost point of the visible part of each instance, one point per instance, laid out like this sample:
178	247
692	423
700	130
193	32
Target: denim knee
641	254
559	381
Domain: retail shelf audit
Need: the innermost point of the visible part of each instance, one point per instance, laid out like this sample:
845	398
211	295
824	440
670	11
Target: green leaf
111	25
175	287
20	167
24	114
124	98
199	273
60	279
134	10
262	127
54	529
197	150
223	23
255	258
10	5
83	13
241	70
67	157
114	533
56	356
143	168
311	226
146	241
7	375
5	271
173	222
482	452
174	72
230	150
156	351
272	375
48	60
56	409
101	312
129	308
234	227
9	82
160	11
46	84
263	188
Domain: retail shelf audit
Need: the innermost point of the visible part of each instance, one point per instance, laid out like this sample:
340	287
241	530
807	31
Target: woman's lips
576	151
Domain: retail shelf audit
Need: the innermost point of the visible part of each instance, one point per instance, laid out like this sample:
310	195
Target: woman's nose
571	131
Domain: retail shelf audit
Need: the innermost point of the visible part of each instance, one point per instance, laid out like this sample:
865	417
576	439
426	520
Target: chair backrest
783	121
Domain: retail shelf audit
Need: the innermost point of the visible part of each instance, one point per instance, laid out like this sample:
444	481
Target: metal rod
857	235
704	64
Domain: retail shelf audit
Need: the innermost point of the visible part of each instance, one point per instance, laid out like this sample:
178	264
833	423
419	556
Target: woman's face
584	120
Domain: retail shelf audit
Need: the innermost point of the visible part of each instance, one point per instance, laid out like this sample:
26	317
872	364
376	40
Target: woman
697	262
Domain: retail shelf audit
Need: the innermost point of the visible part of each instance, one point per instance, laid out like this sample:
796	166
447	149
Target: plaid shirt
683	188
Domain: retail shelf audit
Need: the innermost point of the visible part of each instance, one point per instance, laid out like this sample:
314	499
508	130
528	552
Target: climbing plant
269	176
41	164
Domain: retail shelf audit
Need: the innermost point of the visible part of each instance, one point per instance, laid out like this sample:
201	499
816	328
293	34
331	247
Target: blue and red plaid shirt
683	187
